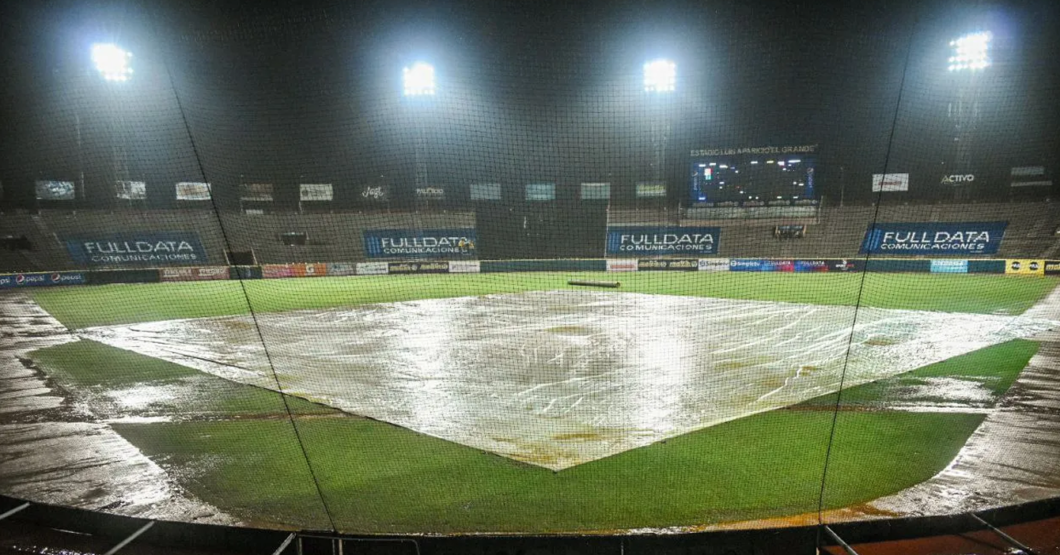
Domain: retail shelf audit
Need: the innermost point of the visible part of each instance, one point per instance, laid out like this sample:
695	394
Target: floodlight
418	79
112	62
970	52
660	76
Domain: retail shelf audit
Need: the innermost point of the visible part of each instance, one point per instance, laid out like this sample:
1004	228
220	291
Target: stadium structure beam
130	539
1011	541
286	542
16	510
835	537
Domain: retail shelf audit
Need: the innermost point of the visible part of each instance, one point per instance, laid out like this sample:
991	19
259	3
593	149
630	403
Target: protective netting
533	268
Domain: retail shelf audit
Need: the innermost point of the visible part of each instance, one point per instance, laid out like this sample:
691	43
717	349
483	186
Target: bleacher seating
337	237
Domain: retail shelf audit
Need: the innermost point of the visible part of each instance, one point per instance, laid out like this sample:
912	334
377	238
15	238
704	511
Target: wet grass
78	307
994	369
380	478
116	383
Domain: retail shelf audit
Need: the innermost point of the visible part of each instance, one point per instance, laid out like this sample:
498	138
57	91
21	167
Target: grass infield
232	446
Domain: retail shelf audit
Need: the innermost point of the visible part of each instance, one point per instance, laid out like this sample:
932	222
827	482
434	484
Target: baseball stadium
336	272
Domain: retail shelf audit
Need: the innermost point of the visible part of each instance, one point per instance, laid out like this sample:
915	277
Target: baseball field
515	403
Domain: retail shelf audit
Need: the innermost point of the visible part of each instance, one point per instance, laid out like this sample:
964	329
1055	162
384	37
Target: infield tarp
661	241
933	239
164	248
428	243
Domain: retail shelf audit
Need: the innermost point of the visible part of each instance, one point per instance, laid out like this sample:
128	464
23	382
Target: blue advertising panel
164	248
658	241
41	279
427	243
949	266
942	238
760	265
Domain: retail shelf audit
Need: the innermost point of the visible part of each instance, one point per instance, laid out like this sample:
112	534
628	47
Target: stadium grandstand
415	277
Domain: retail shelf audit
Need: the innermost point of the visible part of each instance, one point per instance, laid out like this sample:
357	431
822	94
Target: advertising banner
256	192
932	239
668	264
949	266
1052	268
760	265
342	269
819	265
428	243
40	279
319	269
372	268
315	192
713	264
418	267
659	241
890	182
623	265
131	190
596	191
147	248
430	193
1025	267
375	193
276	271
485	191
650	189
194	274
540	191
465	267
188	190
56	190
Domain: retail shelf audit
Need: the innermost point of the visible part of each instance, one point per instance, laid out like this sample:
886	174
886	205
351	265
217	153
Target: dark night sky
528	91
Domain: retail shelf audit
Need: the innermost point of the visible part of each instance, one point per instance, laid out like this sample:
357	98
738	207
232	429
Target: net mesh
529	268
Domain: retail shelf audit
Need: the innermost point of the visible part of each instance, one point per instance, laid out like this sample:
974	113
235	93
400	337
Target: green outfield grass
381	478
79	307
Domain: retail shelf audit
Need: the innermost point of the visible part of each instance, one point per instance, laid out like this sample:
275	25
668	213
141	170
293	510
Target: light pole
114	65
970	55
418	86
660	80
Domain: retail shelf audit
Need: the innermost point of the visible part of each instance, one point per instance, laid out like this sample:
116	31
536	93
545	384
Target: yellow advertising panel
1025	267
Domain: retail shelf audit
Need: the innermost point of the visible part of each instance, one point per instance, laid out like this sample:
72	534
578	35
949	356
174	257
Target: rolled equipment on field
611	284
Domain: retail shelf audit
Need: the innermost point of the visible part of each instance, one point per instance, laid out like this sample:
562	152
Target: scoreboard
752	178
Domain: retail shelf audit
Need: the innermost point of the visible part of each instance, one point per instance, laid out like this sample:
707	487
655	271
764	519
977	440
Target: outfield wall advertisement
1025	267
668	265
42	279
661	241
932	239
158	248
427	243
194	274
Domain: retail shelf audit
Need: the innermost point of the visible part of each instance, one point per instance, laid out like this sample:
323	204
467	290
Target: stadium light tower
660	81
969	56
114	65
660	76
112	62
418	79
418	85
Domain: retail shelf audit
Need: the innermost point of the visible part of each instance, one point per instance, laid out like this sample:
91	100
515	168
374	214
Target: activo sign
934	238
633	241
428	243
140	249
955	179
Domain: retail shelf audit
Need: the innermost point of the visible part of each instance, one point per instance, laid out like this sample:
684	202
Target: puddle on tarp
561	378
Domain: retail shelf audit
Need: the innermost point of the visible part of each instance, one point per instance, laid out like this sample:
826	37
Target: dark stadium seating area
337	237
